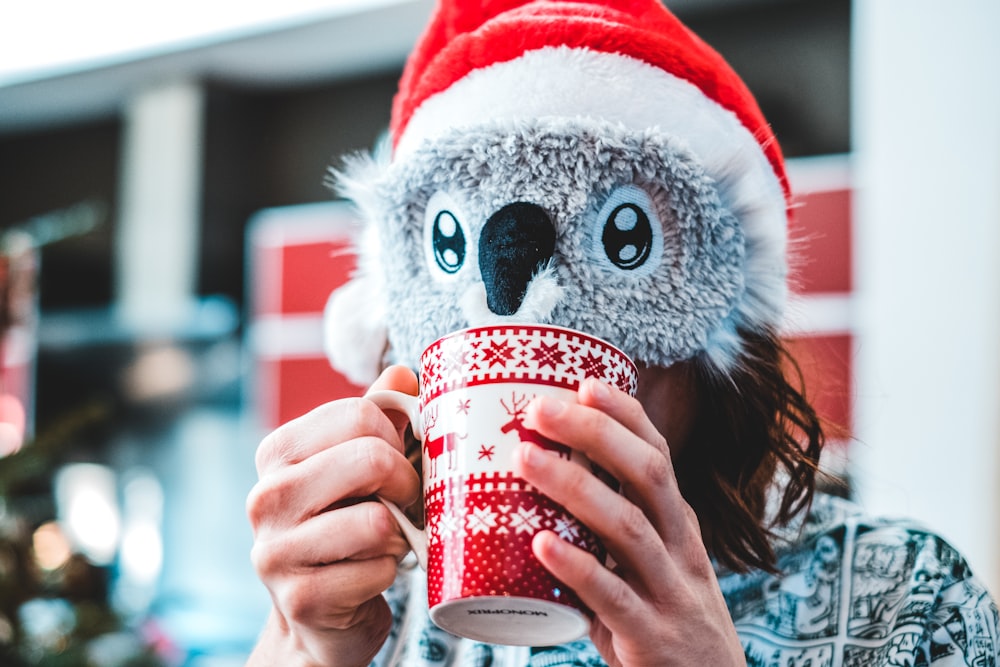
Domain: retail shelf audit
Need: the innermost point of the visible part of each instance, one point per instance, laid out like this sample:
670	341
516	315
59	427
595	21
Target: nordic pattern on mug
544	355
499	504
498	415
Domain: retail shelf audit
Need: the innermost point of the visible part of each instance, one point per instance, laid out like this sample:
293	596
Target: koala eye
445	238
448	242
629	236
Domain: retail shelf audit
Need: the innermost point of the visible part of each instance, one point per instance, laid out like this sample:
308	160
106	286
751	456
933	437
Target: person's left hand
661	604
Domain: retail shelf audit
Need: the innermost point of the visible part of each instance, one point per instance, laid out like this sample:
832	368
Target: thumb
397	378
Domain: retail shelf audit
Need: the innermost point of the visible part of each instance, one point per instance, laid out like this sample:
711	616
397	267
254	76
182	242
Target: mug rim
466	331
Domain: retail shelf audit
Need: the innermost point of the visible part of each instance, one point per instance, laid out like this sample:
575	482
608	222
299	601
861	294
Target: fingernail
598	389
542	406
549	407
535	456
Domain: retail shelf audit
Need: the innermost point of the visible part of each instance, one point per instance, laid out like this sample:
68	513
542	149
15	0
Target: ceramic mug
483	581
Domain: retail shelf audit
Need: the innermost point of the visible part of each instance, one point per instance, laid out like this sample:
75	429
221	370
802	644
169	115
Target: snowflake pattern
448	524
548	355
593	365
509	506
526	520
498	353
560	356
566	528
486	452
481	520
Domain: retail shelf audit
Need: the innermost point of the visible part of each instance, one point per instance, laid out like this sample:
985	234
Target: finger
330	596
614	602
358	468
624	409
397	378
631	540
642	467
358	532
322	428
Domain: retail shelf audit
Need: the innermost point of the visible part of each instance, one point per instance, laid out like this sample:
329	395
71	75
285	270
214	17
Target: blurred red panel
827	364
821	238
310	271
292	387
298	256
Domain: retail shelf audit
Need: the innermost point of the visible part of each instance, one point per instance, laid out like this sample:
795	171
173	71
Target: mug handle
409	405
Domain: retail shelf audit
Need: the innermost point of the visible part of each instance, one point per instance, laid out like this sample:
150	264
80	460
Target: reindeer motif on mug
445	443
516	423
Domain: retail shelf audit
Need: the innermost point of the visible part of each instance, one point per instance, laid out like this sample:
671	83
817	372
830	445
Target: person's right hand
323	552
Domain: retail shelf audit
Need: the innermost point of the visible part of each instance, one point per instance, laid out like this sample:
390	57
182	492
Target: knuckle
384	571
255	505
261	502
659	470
299	602
618	597
692	518
280	446
265	559
380	521
620	600
266	501
363	416
576	481
352	604
365	615
374	457
633	523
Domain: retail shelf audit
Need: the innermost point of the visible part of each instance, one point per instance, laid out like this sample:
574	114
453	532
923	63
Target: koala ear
354	333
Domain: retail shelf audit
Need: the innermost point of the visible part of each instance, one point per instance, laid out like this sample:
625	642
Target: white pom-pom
354	332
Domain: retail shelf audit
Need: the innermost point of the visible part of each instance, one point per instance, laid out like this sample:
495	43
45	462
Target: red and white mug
483	581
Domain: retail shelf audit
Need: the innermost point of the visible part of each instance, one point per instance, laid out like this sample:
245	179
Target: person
649	165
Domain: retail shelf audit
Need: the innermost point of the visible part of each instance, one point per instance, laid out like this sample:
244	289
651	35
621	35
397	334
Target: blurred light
12	422
159	372
47	622
142	552
141	557
142	543
52	549
88	511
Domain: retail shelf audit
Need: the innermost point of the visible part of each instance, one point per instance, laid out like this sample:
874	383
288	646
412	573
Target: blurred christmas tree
55	605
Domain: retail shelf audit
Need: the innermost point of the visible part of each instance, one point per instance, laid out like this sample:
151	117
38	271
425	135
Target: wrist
277	646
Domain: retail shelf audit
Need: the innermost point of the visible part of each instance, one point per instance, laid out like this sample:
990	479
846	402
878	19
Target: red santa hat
624	61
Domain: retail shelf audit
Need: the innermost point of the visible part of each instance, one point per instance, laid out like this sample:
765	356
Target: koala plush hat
593	165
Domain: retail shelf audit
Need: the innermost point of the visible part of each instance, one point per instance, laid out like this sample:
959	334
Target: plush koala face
572	223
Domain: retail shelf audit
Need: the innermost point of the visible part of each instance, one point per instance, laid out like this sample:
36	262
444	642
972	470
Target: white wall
926	124
157	234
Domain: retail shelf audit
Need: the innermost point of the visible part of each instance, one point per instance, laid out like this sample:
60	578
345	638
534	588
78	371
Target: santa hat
627	61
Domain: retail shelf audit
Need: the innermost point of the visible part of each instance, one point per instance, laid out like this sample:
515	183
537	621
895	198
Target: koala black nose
516	242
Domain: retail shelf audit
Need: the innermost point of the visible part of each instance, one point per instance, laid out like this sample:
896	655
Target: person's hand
324	553
661	604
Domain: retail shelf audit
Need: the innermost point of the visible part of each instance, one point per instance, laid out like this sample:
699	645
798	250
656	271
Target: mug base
514	621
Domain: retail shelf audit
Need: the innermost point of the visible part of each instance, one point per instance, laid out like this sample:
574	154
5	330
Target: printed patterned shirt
852	592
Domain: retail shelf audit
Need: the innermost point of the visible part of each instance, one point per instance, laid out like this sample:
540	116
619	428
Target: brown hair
751	425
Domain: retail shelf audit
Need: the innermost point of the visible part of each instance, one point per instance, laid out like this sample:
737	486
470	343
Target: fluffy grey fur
690	301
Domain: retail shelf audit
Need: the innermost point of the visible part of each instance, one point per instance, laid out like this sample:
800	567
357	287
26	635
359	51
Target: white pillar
160	185
927	139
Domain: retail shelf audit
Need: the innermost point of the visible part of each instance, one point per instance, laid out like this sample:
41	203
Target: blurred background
167	244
